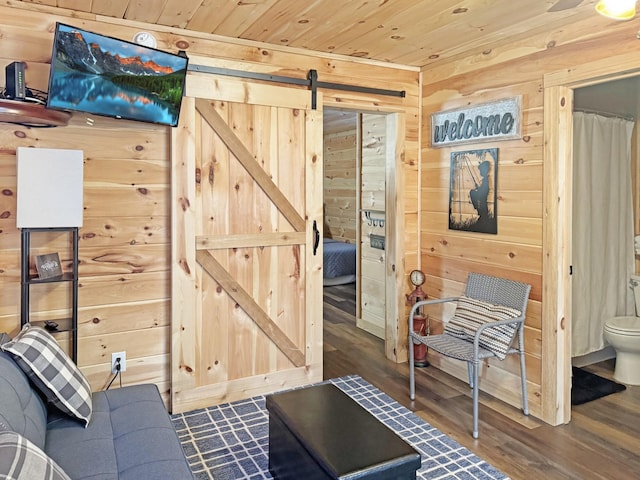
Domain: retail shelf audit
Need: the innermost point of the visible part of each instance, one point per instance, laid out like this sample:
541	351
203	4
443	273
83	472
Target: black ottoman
319	432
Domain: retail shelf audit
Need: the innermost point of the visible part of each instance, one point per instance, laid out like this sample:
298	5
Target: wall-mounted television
106	76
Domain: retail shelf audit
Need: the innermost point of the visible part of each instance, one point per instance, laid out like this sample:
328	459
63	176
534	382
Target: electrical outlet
122	356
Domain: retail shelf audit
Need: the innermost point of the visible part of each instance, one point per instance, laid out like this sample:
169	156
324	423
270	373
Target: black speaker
15	81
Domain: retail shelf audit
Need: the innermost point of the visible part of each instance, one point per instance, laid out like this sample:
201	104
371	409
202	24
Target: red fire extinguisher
420	321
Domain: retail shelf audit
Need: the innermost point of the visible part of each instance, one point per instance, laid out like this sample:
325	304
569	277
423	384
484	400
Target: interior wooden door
247	261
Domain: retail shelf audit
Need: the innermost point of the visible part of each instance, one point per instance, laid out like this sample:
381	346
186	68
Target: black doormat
587	386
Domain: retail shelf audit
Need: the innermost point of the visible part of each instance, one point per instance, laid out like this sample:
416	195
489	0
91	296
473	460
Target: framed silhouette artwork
473	191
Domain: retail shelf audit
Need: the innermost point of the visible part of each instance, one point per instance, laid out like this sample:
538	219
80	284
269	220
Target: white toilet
623	334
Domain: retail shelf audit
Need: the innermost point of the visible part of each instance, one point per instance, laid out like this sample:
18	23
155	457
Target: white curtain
603	240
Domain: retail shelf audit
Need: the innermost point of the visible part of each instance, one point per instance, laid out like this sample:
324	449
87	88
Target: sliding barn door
247	264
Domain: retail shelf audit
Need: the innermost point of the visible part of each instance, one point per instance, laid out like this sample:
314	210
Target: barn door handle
316	237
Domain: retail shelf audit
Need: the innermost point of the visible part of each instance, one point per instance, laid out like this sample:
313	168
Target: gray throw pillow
20	459
52	371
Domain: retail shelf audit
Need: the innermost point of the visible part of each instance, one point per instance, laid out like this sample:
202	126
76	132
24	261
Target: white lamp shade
50	183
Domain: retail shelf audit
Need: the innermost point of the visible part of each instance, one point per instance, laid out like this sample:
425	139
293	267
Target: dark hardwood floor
602	441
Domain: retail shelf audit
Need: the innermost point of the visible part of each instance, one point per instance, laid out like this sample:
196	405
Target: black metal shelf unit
27	280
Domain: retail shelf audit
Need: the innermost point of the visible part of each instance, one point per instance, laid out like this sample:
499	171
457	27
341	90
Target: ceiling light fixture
617	9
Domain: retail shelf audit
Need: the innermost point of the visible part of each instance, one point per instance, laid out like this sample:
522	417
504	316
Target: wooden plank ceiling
408	32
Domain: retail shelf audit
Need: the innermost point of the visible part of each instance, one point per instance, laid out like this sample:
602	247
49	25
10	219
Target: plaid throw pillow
52	371
21	459
471	314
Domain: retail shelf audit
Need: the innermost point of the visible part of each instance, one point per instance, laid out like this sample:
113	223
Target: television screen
105	76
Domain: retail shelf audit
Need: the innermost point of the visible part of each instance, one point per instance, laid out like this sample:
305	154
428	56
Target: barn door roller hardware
315	84
311	81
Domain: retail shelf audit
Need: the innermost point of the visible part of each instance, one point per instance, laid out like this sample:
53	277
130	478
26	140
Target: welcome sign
499	120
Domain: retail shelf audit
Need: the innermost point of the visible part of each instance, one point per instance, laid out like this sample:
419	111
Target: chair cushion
52	371
21	459
470	314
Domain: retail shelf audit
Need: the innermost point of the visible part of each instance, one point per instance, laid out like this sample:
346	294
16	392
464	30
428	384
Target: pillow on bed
471	314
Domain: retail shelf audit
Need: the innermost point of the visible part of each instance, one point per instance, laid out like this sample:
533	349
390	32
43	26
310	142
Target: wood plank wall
516	252
124	256
373	200
124	247
340	176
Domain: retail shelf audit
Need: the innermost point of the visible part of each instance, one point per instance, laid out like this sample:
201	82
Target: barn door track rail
311	81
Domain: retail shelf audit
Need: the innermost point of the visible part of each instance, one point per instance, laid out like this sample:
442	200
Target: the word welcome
498	120
479	127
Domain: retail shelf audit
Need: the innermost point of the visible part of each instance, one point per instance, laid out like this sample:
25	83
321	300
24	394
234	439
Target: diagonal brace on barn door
242	298
235	145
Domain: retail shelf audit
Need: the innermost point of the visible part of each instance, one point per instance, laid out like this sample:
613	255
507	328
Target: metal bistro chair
488	316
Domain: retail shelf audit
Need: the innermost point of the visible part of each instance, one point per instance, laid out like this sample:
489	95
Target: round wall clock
416	277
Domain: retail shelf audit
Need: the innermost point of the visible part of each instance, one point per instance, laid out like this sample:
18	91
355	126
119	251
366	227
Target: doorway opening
360	164
604	174
604	110
557	313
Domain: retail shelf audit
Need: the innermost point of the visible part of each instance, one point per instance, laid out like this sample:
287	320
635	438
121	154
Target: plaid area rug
231	441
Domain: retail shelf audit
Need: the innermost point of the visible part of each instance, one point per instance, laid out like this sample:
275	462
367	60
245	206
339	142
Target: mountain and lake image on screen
106	76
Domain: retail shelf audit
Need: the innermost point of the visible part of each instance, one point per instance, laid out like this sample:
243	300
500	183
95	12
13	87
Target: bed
339	262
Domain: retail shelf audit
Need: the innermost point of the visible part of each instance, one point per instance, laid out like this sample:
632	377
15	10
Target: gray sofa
129	436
